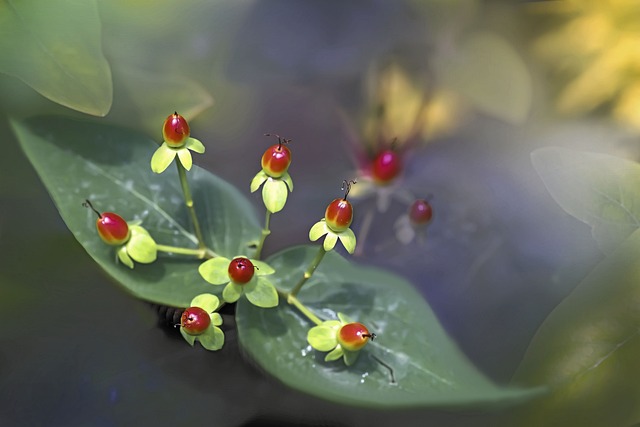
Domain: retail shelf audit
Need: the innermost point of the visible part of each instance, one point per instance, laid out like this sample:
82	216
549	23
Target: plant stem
291	299
199	253
265	233
309	272
182	173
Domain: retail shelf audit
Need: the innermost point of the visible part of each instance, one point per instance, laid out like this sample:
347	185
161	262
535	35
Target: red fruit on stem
175	130
339	215
386	166
420	212
241	270
195	320
353	336
112	228
277	158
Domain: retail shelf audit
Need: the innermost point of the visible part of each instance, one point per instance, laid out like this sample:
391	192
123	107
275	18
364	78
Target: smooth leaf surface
428	368
150	95
79	160
598	189
55	46
587	350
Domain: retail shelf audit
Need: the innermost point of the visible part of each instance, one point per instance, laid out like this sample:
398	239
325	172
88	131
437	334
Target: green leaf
212	339
207	302
80	160
55	46
428	368
189	338
587	350
318	230
348	239
488	71
261	293
262	268
162	158
232	292
274	194
258	180
323	337
598	189
141	246
216	270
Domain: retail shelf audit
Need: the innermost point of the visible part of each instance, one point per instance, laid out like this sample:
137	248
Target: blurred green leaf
490	74
153	96
55	47
587	350
428	368
598	189
79	160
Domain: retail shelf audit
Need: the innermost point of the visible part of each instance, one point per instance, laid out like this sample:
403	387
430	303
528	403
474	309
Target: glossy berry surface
195	320
353	336
420	212
175	130
339	215
276	160
386	166
112	229
241	270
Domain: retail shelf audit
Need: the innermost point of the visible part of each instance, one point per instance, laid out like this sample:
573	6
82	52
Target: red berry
195	320
420	212
339	215
241	270
112	228
353	336
386	166
276	160
175	130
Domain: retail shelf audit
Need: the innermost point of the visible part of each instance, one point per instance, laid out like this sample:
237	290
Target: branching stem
205	253
309	272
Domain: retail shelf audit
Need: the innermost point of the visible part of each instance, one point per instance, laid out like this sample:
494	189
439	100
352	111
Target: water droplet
305	351
363	377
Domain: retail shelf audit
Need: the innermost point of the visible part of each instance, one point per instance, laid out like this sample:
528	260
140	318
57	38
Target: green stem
182	173
199	253
309	272
303	309
265	233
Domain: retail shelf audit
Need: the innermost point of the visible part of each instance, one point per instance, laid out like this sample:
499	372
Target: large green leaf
598	189
110	166
55	47
587	350
428	368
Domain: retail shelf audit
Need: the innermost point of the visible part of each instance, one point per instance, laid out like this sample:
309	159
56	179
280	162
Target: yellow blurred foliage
596	54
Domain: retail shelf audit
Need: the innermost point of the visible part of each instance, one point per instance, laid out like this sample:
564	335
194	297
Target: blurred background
466	88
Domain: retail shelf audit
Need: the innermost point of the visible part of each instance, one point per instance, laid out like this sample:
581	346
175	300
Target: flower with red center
274	175
241	275
341	338
135	243
201	322
335	224
177	143
414	223
386	166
